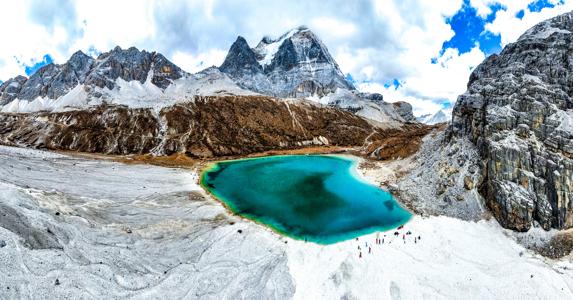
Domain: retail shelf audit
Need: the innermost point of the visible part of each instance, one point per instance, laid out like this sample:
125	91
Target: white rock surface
137	231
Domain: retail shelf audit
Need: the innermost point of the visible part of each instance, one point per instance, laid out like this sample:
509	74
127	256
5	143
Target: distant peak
79	53
79	56
241	40
20	78
269	40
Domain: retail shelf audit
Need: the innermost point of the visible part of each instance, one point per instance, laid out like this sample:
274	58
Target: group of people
380	241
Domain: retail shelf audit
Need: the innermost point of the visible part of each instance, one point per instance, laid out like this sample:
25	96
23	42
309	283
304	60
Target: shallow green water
313	197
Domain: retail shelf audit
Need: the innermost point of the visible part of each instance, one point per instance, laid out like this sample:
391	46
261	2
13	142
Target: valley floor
83	228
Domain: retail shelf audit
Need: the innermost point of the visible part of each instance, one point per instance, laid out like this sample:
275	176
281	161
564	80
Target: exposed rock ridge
518	110
53	81
297	64
207	127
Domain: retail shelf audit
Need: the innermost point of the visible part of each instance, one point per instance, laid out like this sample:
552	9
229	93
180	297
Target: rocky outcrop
518	110
207	127
53	81
241	60
297	64
132	64
10	89
404	109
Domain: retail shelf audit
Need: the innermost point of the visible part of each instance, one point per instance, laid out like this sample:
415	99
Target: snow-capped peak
268	47
440	116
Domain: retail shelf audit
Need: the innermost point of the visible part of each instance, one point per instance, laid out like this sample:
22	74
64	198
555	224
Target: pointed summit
296	64
70	74
240	60
79	55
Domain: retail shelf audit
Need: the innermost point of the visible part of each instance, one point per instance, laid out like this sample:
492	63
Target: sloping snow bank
134	94
454	259
112	230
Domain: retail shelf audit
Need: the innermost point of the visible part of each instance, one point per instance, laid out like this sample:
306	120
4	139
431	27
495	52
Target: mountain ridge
296	64
55	80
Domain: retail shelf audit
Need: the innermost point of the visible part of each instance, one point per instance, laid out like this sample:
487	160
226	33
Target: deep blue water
310	197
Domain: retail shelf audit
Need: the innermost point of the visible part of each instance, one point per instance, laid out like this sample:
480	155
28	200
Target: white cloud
435	84
334	28
376	41
195	63
510	27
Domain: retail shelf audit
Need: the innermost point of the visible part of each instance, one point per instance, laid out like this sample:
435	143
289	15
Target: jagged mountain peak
266	40
241	60
562	24
132	64
56	80
295	64
79	55
297	45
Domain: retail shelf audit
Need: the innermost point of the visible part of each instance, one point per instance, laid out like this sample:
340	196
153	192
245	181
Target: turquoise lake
318	198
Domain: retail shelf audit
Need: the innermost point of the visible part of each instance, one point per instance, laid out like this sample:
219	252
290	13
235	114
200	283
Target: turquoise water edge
318	198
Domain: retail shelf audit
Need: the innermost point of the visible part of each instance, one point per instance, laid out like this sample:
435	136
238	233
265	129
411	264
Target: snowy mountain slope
54	81
297	64
440	116
115	77
363	105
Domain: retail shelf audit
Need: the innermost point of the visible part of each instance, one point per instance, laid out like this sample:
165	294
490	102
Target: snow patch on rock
134	94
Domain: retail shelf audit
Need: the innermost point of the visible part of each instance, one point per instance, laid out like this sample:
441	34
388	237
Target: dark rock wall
518	111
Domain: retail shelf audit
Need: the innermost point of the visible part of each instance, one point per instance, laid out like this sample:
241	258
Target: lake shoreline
353	171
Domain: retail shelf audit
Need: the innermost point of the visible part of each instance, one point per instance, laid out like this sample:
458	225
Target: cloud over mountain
377	42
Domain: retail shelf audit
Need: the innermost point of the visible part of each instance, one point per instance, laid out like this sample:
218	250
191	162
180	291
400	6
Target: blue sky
33	66
468	26
470	29
417	51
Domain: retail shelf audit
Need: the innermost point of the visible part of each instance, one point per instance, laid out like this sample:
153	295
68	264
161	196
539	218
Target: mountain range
509	144
295	65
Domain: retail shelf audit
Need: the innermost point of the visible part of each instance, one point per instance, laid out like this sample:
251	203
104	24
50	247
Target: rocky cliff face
207	127
404	109
518	110
297	64
132	64
9	90
53	81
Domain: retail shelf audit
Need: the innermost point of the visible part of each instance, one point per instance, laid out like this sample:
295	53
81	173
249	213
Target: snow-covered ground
81	228
441	116
379	111
134	94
